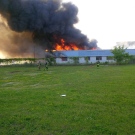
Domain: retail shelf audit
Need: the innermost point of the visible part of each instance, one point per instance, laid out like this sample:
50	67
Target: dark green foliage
1	61
25	61
120	55
132	59
87	60
51	61
76	60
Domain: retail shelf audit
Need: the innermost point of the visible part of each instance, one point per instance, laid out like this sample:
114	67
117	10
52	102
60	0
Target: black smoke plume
47	21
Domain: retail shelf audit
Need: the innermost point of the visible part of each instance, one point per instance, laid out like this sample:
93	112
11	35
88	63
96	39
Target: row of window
97	58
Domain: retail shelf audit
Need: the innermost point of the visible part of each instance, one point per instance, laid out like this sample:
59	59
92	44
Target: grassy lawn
99	101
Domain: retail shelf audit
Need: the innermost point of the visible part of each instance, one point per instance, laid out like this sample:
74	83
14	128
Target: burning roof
48	24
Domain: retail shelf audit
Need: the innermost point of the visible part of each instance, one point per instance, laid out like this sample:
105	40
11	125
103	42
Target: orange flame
94	48
62	46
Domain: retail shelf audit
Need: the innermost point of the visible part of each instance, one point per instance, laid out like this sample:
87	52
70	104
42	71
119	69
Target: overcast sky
108	21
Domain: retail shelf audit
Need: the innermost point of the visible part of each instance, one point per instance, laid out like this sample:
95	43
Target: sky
107	21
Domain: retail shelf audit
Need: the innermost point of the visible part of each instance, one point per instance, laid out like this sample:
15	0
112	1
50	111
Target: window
89	58
64	58
99	58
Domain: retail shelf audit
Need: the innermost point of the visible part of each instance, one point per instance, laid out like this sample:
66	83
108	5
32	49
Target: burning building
38	25
87	56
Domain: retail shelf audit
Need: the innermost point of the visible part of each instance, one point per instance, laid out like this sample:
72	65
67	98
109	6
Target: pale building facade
86	56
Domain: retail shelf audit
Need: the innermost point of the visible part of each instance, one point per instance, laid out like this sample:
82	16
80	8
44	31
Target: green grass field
99	101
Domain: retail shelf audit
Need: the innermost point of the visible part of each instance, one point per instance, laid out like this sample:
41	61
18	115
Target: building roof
88	53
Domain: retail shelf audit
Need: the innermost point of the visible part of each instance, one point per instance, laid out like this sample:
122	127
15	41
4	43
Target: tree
120	56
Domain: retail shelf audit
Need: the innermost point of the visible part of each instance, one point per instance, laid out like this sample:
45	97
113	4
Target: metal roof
90	53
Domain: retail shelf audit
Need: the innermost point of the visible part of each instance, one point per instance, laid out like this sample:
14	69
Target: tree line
29	61
121	56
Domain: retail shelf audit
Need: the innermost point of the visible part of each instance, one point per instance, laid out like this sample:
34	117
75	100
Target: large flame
63	46
94	48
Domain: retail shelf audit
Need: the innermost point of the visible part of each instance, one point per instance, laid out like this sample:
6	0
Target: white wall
93	60
70	60
104	59
60	61
83	61
111	61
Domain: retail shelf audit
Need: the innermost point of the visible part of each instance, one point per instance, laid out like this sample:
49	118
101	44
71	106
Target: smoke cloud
28	25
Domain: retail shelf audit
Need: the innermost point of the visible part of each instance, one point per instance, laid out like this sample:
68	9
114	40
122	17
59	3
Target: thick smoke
40	23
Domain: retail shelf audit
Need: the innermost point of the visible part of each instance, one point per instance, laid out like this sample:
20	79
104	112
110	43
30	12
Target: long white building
86	56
